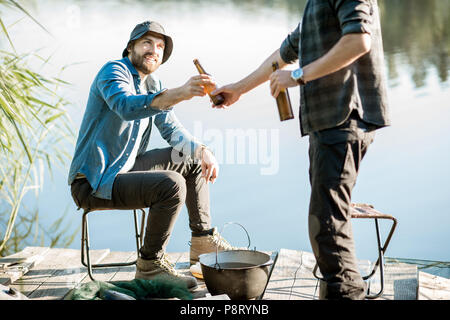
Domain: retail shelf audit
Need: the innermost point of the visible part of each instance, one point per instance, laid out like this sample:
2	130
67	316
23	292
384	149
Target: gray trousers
155	182
335	156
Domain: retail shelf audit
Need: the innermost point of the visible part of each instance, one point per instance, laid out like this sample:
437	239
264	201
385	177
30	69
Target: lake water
263	181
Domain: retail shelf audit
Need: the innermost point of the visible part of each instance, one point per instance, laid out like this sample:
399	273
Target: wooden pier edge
42	273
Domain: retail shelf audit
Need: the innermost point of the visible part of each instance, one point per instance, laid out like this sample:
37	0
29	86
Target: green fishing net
138	289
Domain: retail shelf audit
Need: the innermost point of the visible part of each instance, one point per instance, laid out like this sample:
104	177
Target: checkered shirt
327	102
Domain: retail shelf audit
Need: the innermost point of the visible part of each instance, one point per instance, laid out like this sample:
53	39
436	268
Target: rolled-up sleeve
115	87
289	48
355	16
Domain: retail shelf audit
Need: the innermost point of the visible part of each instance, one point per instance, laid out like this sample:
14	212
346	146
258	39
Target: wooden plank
27	254
181	260
66	277
35	277
433	287
56	275
182	265
110	273
126	273
15	266
400	282
292	278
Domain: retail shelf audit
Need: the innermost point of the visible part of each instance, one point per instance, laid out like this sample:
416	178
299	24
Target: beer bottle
217	99
283	101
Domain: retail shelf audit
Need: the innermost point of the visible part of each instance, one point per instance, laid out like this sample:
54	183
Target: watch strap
301	81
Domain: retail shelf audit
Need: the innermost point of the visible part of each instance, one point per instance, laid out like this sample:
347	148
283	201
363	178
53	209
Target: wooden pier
50	274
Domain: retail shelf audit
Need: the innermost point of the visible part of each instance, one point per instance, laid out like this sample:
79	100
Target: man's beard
138	62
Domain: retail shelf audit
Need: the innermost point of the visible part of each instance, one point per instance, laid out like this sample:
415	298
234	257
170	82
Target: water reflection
415	32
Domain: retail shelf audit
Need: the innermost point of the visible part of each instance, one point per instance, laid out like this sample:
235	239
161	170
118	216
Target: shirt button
133	139
127	154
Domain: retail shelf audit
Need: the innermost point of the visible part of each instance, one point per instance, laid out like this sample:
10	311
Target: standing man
343	101
111	168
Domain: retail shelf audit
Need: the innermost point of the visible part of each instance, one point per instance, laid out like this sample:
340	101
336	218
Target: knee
175	184
81	190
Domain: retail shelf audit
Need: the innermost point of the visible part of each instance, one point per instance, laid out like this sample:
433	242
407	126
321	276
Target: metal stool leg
381	250
85	254
85	245
380	261
139	232
142	227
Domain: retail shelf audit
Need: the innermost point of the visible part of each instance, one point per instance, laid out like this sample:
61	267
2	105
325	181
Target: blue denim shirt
111	124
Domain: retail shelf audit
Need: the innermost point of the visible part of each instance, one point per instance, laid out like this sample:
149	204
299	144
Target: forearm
262	74
195	86
348	49
168	98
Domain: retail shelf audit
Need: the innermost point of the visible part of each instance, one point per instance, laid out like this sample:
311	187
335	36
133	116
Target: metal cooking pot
241	274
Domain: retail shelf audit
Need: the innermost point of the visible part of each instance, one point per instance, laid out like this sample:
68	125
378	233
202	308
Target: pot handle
228	223
221	230
268	263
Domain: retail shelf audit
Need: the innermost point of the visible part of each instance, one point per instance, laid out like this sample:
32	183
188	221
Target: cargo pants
335	157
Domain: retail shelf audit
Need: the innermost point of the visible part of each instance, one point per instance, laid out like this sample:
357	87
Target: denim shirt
111	124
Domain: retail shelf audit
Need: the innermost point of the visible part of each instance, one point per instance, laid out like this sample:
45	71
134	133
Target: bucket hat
153	26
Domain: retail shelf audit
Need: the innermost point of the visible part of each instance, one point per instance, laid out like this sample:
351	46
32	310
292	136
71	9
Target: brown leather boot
207	244
162	269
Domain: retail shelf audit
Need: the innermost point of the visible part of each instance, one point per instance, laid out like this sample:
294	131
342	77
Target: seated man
111	168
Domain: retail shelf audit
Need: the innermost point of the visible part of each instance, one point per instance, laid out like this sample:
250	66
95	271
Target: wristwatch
297	75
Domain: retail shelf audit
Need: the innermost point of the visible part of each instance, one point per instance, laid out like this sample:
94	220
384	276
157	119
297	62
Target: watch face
297	74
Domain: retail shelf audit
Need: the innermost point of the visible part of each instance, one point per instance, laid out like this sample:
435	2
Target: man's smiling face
146	54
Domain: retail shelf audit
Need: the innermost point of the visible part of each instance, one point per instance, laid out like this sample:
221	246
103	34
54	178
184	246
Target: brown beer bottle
217	99
283	101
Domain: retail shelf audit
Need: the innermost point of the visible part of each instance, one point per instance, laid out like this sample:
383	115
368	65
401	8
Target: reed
35	133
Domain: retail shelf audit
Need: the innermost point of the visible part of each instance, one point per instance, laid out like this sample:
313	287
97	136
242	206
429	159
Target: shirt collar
130	66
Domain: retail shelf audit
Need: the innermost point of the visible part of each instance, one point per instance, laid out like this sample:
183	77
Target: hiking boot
207	244
162	269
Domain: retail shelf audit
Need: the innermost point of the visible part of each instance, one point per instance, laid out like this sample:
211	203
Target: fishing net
136	289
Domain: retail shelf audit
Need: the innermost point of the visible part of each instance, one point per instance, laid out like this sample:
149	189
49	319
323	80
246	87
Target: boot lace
221	243
165	264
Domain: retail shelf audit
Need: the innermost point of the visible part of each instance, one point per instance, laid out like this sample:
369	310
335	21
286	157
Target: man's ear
130	47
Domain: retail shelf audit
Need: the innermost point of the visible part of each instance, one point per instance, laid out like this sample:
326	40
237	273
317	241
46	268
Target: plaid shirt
327	102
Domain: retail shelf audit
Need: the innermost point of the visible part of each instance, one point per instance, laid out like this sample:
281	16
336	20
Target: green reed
34	134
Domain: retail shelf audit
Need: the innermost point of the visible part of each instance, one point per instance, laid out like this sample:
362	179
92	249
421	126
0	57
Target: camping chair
85	241
366	211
